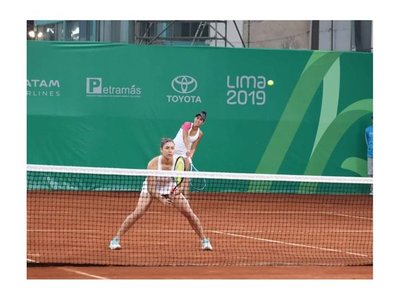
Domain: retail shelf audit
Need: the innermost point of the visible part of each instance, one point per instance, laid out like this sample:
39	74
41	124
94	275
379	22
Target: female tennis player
189	136
156	188
186	141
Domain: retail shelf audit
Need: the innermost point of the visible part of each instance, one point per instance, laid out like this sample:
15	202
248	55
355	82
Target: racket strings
197	184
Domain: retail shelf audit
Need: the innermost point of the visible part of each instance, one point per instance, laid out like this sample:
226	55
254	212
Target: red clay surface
301	272
267	236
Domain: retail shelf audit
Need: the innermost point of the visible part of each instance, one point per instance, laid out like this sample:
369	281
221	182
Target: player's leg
182	204
141	207
184	188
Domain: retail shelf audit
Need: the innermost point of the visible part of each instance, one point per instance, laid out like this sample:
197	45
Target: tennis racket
197	184
180	167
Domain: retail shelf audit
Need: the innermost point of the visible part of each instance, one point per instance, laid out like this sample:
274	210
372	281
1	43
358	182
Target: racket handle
173	190
167	196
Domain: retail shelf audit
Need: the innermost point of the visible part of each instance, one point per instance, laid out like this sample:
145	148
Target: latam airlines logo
43	88
185	86
96	88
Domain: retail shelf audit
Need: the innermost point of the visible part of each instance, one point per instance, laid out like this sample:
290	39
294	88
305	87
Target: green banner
108	105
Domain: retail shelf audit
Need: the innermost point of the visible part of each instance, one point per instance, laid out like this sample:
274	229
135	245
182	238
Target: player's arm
185	134
195	144
151	181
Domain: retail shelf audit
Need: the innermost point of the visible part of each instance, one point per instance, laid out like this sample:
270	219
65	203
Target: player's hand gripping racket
180	167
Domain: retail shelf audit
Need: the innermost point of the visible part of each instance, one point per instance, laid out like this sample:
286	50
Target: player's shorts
164	185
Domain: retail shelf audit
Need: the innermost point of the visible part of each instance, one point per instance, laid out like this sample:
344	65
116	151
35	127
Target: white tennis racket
179	166
197	184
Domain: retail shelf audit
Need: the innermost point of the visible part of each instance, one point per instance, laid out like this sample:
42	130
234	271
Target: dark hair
202	114
164	141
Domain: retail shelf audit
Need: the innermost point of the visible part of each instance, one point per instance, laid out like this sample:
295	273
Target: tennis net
251	219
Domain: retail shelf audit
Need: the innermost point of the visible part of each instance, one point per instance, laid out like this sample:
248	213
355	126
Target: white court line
88	230
30	260
300	212
349	216
240	212
67	269
62	230
82	273
315	231
191	231
286	243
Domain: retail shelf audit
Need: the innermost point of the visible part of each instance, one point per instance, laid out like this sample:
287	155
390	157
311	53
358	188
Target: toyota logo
184	84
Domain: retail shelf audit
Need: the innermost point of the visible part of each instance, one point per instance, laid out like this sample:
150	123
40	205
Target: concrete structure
278	34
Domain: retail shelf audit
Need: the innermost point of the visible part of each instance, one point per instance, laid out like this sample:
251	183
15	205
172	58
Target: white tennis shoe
206	245
114	244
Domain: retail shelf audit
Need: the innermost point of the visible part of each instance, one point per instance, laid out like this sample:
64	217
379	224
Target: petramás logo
96	88
184	86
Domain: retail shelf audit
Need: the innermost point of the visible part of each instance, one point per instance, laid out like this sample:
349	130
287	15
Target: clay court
265	237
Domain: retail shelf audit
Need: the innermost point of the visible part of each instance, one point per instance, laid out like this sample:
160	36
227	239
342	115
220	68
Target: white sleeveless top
180	148
164	185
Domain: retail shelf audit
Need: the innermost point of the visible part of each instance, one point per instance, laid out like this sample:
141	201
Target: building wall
232	34
277	34
335	35
339	35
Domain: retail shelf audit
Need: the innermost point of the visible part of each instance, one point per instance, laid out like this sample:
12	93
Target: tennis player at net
156	188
